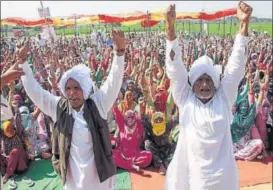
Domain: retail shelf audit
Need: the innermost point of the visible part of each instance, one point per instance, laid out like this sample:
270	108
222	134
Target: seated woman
13	151
128	154
37	146
128	103
157	140
248	144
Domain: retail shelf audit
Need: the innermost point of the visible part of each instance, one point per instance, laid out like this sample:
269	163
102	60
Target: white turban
81	74
204	65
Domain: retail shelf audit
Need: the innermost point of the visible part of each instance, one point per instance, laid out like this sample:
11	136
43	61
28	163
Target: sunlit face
204	87
129	96
74	94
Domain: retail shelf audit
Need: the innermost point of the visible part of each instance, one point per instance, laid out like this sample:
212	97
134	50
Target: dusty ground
267	186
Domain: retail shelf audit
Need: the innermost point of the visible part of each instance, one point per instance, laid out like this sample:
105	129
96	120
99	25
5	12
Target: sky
29	9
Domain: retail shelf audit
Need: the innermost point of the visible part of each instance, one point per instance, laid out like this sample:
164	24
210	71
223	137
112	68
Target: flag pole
45	17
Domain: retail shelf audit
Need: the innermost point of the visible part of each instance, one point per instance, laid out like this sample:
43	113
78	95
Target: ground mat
45	178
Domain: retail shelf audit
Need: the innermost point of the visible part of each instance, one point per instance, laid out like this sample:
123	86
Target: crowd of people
143	115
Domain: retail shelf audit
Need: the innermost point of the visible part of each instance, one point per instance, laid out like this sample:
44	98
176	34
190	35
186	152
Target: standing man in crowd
204	158
81	148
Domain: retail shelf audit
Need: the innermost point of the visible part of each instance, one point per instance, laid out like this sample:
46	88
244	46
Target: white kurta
82	167
82	172
203	159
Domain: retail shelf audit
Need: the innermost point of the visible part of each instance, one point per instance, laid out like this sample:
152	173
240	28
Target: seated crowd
143	121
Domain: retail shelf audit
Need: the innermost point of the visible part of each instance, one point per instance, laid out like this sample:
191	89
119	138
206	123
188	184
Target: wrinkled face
74	94
204	87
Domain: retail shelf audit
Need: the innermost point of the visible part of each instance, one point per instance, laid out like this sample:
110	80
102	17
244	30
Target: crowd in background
143	121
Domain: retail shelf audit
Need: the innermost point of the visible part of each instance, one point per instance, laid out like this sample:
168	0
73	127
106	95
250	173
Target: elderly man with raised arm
81	148
203	159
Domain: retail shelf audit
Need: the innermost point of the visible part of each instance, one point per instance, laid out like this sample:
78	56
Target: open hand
23	50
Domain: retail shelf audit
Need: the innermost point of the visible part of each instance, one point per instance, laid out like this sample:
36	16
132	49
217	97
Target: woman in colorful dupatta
244	116
250	145
38	147
128	103
128	154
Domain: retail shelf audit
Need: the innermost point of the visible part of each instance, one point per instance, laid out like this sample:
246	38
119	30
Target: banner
149	23
126	18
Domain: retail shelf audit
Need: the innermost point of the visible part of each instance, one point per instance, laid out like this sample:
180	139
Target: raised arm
44	100
175	68
264	87
119	118
40	97
234	70
107	94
